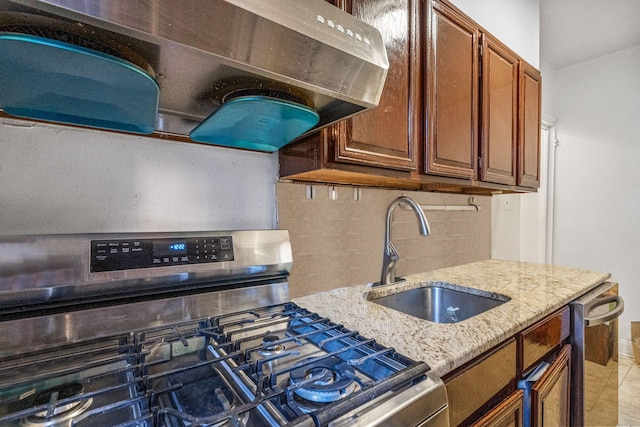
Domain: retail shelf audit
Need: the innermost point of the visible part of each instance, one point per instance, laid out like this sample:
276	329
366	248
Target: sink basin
442	304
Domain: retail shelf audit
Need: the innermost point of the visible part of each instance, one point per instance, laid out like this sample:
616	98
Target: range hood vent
296	66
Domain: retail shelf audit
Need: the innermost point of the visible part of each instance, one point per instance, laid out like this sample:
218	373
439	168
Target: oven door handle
609	315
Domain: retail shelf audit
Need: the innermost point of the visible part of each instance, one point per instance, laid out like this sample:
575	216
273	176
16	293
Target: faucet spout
390	255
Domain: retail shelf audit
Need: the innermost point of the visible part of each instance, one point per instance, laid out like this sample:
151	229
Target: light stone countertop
536	290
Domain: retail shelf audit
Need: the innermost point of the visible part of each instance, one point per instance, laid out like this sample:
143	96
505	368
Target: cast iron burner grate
324	369
92	383
212	371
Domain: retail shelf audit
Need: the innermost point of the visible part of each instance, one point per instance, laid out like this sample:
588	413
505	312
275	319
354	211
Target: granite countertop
536	290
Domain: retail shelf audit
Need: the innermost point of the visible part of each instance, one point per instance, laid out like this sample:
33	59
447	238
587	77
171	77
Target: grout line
624	377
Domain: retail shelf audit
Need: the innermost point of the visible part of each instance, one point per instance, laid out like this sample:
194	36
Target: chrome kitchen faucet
390	256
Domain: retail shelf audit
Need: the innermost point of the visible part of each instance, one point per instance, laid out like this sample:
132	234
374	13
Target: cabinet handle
610	315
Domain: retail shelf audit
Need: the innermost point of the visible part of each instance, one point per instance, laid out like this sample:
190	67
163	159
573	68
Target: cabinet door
499	112
452	94
385	136
507	414
550	395
529	126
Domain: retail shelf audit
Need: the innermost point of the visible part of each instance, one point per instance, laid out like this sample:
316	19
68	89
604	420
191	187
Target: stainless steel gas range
186	329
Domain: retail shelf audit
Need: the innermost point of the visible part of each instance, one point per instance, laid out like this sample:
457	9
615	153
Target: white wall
533	214
505	227
56	179
516	23
598	171
548	92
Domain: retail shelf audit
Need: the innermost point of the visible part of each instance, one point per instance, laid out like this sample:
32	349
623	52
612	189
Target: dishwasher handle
605	317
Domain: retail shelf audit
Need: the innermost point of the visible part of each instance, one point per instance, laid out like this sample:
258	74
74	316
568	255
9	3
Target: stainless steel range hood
203	52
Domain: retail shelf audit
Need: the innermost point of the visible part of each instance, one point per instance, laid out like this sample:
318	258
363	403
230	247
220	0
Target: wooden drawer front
543	337
469	390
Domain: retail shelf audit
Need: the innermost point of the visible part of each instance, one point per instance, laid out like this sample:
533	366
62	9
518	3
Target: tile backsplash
337	236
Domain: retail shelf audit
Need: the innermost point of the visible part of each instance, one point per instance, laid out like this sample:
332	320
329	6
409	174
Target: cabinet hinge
479	162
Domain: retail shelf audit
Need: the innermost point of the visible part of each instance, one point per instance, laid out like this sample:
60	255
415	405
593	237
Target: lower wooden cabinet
509	413
469	389
484	392
541	338
551	393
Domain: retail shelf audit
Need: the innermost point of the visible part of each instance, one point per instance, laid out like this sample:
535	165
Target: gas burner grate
347	367
275	365
94	383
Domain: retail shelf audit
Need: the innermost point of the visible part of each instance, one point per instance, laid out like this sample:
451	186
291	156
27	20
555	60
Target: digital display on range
127	254
168	248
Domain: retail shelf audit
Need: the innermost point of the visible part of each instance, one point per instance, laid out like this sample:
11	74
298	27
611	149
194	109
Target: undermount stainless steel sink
441	303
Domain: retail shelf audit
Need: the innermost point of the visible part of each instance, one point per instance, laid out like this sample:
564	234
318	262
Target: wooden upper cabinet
529	126
452	94
498	148
385	136
450	118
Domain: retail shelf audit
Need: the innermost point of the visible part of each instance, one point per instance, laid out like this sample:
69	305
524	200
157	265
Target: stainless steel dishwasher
594	369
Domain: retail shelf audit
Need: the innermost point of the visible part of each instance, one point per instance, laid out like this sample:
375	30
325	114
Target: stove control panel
114	255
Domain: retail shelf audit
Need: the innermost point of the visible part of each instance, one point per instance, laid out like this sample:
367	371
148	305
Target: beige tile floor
628	392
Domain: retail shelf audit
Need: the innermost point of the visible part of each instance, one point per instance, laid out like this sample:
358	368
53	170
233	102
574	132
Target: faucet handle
390	255
393	252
